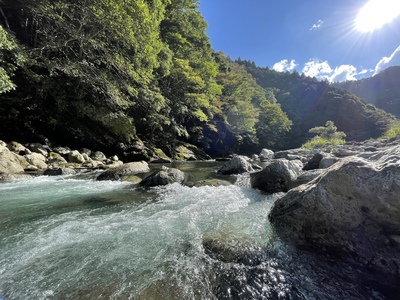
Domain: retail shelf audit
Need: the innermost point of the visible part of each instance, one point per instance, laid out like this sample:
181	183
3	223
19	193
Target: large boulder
277	176
127	169
352	208
237	165
164	176
37	160
11	163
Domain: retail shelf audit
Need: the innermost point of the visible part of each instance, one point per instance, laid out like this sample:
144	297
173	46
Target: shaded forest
108	74
381	90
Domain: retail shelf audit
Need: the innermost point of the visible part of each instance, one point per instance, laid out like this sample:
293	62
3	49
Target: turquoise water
72	237
76	238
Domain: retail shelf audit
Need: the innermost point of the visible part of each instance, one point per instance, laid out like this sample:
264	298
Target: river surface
72	237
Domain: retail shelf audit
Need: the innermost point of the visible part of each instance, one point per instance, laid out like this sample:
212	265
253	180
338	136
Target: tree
325	135
328	132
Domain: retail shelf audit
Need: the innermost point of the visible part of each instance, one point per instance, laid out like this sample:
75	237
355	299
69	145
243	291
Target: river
72	237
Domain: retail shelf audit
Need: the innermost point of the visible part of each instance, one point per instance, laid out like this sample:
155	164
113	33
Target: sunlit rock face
352	208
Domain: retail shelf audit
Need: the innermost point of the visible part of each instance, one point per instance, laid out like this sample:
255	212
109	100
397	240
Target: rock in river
352	210
164	176
276	176
127	169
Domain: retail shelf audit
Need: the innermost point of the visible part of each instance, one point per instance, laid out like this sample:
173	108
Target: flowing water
72	237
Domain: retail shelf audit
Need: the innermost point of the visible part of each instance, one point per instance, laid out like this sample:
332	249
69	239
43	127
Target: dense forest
309	102
108	74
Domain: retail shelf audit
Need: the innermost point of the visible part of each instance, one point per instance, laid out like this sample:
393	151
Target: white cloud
322	71
318	69
317	25
386	62
285	65
344	73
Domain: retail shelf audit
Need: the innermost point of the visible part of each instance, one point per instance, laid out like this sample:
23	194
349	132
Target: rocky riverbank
341	203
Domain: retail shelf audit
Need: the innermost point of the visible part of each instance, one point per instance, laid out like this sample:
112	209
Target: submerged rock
212	182
131	168
352	208
164	176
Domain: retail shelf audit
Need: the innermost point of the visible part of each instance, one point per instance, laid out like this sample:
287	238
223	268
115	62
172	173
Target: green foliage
318	142
329	131
252	119
325	135
11	58
392	131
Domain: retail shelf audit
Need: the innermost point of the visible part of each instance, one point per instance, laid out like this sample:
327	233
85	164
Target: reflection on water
76	238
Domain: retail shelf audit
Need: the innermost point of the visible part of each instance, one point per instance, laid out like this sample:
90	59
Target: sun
377	13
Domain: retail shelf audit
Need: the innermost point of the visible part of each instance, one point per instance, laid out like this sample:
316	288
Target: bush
327	135
392	131
318	141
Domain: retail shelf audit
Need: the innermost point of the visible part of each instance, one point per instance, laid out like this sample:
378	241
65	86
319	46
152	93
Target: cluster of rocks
18	161
343	202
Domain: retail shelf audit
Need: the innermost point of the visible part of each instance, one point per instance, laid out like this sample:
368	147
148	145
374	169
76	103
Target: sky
336	40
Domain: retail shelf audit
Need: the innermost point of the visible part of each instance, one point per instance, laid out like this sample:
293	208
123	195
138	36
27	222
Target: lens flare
377	13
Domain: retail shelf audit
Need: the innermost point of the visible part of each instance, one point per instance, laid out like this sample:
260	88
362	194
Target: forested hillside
109	74
381	90
104	74
309	103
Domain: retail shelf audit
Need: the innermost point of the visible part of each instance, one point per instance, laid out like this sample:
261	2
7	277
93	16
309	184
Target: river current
72	237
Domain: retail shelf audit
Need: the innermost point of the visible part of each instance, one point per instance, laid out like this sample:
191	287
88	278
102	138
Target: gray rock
237	165
37	160
86	151
17	148
183	153
266	154
117	173
304	155
313	163
305	177
59	171
12	163
326	162
75	157
38	148
164	176
99	156
352	208
62	150
56	159
276	176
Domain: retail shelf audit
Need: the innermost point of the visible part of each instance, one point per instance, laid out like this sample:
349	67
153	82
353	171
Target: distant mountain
381	90
309	102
